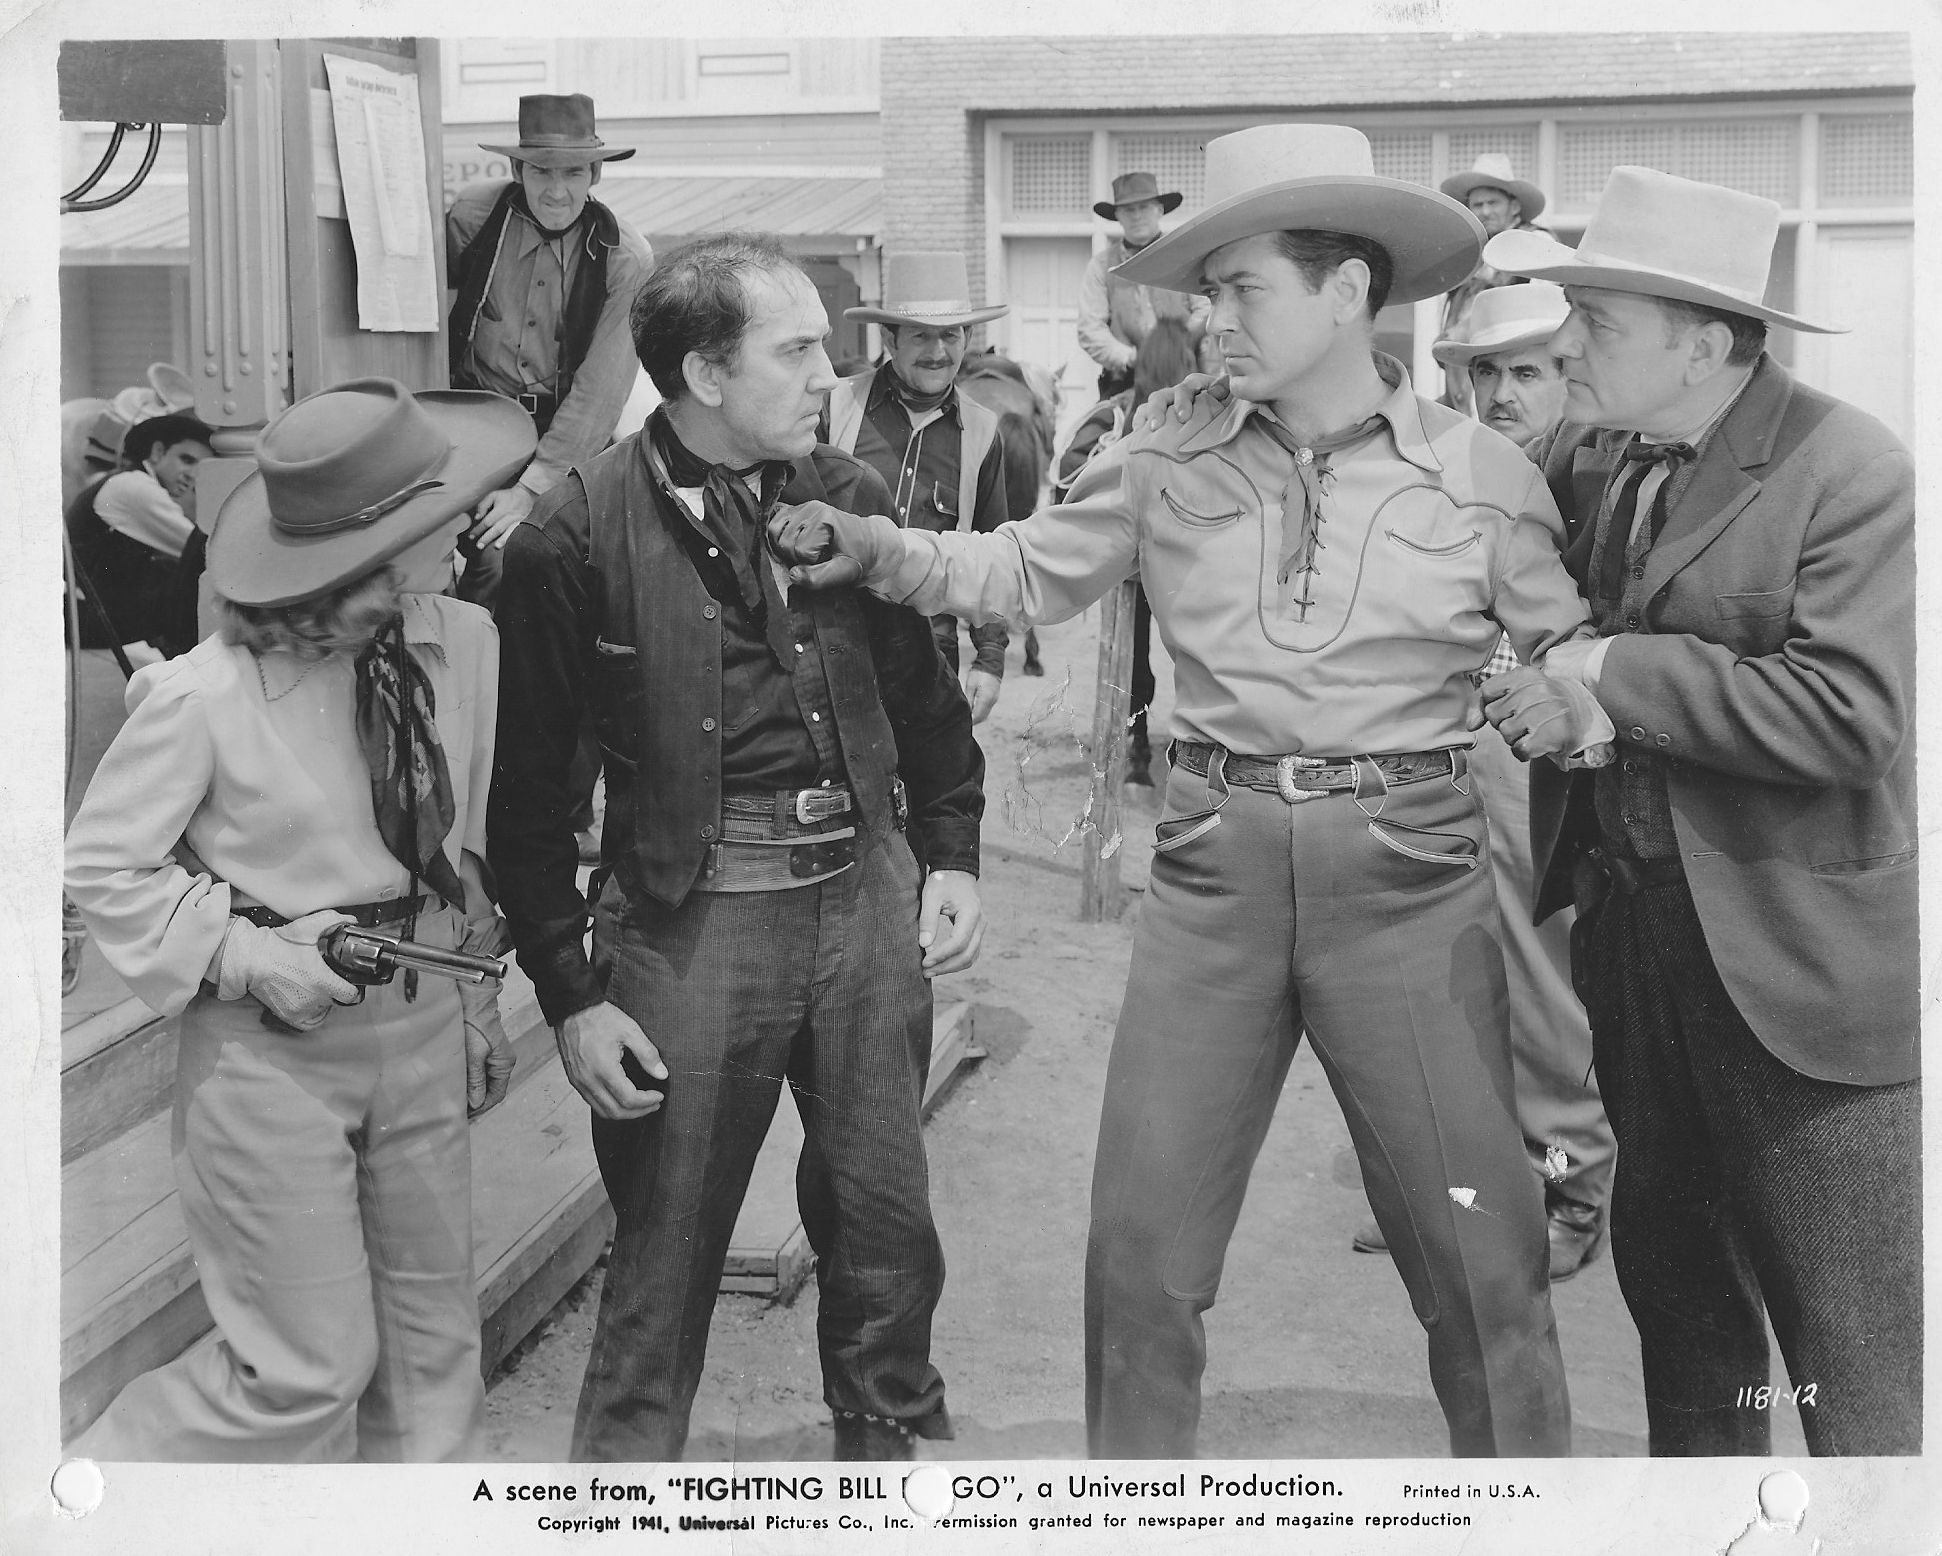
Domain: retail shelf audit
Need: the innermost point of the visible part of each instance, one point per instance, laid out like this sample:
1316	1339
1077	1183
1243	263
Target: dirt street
1313	1351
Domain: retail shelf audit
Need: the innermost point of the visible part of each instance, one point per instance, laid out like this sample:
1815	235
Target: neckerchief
411	788
1314	478
910	399
737	519
550	234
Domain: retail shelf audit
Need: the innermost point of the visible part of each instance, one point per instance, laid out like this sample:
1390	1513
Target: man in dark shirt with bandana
758	912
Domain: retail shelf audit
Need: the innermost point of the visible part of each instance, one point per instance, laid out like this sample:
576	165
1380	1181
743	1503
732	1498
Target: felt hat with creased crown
1318	177
1505	318
1130	189
1492	171
558	132
348	477
926	288
1664	236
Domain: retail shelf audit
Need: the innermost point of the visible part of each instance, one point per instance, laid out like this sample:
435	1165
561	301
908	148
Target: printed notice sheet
381	155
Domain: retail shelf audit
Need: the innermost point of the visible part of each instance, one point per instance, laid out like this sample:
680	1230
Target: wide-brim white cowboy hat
1505	318
351	476
558	131
1664	236
931	289
1319	177
1492	171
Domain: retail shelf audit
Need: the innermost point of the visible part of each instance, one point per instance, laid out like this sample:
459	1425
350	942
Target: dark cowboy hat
351	476
169	430
1130	189
558	132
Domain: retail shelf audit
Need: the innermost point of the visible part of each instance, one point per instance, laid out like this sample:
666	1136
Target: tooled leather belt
773	842
1297	778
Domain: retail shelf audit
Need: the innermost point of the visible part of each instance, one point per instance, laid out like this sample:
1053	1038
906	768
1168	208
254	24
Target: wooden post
1101	896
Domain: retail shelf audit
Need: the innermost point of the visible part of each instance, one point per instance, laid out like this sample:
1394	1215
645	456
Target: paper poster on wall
381	162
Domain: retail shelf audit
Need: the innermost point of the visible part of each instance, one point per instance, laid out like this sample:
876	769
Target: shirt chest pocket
1202	510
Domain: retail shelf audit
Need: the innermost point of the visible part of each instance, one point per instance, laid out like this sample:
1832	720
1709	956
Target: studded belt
777	842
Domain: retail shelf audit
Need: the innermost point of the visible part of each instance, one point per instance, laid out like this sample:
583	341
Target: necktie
1313	477
1618	539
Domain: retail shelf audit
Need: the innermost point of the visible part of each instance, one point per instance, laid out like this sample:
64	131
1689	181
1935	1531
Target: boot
1032	665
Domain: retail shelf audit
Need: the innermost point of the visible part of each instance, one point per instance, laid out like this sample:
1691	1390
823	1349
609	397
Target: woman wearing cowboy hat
323	758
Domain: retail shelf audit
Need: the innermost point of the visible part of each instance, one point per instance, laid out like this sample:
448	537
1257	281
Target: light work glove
283	968
1544	715
489	1057
826	548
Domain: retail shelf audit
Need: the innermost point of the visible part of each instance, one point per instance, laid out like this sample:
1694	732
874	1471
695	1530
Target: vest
583	304
980	429
658	710
143	591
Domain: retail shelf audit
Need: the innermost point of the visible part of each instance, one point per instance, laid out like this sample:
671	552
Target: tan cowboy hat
351	476
1664	236
558	132
1492	171
932	289
1315	177
173	387
1505	318
1130	189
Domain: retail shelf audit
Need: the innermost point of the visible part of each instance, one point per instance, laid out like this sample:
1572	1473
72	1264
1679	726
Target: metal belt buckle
528	402
1284	778
809	811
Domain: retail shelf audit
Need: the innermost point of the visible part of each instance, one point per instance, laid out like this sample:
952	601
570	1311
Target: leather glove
828	548
284	969
1543	715
489	1058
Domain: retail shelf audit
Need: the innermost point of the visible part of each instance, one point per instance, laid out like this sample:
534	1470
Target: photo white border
1588	1505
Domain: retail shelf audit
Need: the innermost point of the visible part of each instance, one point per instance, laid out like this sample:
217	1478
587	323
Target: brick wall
936	92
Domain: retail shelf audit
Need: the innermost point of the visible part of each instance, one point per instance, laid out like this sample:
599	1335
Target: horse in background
1025	398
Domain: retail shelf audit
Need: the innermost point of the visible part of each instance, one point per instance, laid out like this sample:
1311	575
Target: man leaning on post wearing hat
321	760
1114	312
1745	875
543	275
1330	558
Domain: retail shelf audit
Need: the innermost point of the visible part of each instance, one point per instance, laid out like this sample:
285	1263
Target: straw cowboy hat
1505	318
558	132
1492	171
1130	189
1320	177
351	476
930	289
1664	236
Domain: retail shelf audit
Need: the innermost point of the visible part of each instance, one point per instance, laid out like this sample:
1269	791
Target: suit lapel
1721	488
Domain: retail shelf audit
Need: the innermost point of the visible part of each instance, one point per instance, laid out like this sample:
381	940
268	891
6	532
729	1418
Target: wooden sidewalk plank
130	1299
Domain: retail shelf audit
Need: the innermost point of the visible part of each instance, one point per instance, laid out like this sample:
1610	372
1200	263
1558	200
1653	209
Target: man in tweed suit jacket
1745	870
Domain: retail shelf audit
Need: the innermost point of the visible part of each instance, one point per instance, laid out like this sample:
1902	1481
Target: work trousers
1558	1106
821	985
1745	1192
325	1178
1290	916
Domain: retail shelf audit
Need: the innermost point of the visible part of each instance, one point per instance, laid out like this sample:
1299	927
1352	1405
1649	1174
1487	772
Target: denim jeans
820	985
1743	1185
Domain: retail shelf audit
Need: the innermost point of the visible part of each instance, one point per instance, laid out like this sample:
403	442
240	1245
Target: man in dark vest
137	551
543	275
778	763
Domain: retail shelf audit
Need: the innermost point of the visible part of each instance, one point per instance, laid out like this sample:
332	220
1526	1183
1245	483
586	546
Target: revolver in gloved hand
370	956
